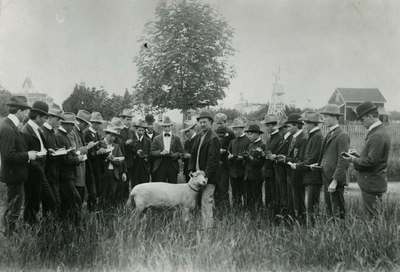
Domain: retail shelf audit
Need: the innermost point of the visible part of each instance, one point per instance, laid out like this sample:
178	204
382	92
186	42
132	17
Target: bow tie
167	135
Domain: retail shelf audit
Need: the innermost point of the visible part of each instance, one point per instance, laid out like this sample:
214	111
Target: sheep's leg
185	214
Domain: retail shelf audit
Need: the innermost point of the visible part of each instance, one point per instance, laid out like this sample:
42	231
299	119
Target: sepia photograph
199	135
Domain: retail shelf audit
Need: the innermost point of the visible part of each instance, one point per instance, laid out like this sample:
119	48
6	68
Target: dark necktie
167	135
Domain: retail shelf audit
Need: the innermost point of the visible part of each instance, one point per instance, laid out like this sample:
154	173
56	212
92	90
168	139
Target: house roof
361	95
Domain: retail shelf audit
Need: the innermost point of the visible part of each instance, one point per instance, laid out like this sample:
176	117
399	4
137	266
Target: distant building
349	98
33	95
244	106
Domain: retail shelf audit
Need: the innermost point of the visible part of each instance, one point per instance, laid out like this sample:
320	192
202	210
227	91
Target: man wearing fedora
237	149
189	133
15	159
333	165
37	186
166	150
140	148
371	163
70	199
225	136
254	161
205	157
52	162
274	141
294	176
308	159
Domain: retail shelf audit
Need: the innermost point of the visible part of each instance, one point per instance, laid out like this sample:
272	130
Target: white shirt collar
194	135
92	130
139	137
333	127
287	134
48	126
297	133
314	129
14	119
33	124
259	139
275	132
60	128
374	125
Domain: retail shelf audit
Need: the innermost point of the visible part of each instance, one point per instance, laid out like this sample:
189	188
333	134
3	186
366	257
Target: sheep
162	194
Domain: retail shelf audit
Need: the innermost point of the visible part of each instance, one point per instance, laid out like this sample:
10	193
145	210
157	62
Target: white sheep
162	194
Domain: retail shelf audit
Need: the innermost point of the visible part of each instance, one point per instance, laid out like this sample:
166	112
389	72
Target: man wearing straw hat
236	150
69	196
166	150
333	165
15	159
52	168
189	134
371	163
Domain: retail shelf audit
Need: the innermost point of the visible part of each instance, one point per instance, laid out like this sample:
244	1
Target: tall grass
238	242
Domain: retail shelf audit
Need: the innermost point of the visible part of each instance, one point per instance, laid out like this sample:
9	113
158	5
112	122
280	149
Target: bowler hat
311	117
84	116
149	118
293	118
365	108
238	123
331	109
205	114
56	111
166	122
68	118
18	101
125	113
255	129
40	107
96	117
270	119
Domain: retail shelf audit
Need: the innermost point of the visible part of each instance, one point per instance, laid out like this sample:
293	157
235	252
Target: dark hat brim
269	122
205	117
254	131
22	106
366	111
67	122
55	115
331	113
83	120
40	111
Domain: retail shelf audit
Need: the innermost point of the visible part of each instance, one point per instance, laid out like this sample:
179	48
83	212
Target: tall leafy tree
183	63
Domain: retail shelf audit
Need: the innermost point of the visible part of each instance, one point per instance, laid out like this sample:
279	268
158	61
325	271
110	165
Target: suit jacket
176	150
238	147
69	162
255	161
373	160
52	163
296	147
14	154
155	134
333	166
187	147
126	134
118	166
95	167
141	163
284	147
225	136
209	156
78	142
311	155
274	143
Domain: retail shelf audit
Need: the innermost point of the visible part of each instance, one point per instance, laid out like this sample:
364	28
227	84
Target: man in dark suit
124	141
37	186
151	134
294	177
371	163
52	162
15	159
190	135
166	150
237	149
308	159
333	165
225	136
140	148
205	156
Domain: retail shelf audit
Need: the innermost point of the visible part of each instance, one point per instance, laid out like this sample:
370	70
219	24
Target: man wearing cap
15	159
52	162
69	163
294	176
225	136
37	186
371	163
237	149
140	148
308	160
273	143
205	156
190	134
254	161
333	165
166	150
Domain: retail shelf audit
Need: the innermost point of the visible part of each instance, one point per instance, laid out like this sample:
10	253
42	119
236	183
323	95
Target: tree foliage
4	97
184	61
230	113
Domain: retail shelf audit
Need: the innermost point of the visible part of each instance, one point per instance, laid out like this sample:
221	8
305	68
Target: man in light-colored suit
333	166
166	150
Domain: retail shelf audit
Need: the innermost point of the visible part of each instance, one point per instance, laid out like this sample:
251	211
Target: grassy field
160	241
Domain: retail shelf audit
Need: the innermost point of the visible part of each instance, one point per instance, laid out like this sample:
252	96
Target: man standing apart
371	164
206	157
333	165
15	159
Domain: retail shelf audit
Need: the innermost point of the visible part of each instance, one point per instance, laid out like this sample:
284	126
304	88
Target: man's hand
91	144
124	179
281	157
332	186
164	152
230	156
32	155
292	165
222	150
187	156
129	141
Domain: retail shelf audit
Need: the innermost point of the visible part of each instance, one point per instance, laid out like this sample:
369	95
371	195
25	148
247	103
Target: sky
317	46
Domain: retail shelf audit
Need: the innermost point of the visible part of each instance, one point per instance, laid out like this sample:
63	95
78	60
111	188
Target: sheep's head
198	179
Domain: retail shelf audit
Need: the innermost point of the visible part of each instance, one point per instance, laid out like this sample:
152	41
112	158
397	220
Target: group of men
56	161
